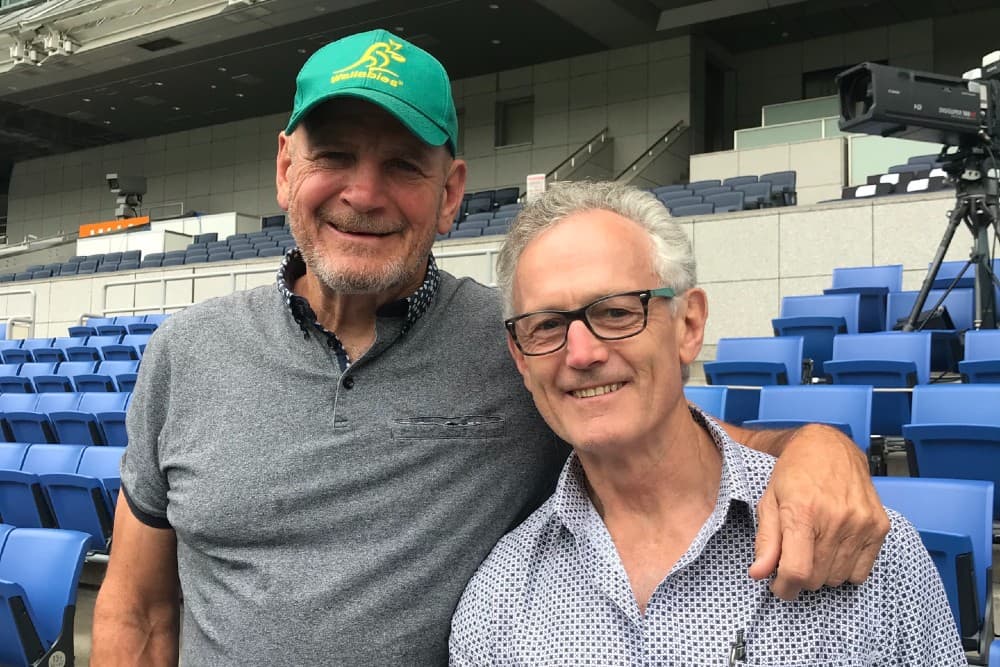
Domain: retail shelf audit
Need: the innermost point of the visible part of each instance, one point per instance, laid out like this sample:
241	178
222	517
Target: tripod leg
957	215
985	296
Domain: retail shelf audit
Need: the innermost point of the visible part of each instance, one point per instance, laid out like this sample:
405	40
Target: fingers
796	568
870	547
768	543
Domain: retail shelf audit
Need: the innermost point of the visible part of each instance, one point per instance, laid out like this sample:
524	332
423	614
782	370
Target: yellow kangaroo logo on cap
373	64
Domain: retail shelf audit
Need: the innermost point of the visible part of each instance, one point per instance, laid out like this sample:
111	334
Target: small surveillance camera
112	180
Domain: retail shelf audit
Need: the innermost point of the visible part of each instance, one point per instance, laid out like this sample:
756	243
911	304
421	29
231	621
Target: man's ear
451	195
282	162
691	317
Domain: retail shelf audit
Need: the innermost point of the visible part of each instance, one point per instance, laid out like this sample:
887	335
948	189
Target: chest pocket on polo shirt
436	428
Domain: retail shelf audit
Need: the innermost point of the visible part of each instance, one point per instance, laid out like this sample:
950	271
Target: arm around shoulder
136	618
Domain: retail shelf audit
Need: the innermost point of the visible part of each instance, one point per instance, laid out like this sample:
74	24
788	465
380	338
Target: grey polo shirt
329	516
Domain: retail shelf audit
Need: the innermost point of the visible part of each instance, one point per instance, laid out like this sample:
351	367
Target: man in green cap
320	467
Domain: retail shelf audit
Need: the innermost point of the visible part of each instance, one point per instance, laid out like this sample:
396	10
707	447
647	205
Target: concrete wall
746	262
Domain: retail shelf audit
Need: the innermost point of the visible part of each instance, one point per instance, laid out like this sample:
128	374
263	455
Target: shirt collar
293	267
571	490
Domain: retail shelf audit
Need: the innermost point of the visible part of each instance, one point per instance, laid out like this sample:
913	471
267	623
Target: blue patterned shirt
554	592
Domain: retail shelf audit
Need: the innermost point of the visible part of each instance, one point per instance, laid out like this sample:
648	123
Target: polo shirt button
348	382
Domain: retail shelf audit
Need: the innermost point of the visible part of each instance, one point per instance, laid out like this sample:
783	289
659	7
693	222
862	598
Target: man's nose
583	348
364	191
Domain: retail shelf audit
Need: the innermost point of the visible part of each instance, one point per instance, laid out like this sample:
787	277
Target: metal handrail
666	140
22	319
587	148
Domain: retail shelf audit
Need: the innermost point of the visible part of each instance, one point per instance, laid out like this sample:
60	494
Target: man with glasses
641	555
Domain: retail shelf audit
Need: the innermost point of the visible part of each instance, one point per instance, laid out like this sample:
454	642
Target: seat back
786	351
982	345
12	455
711	399
835	405
96	402
47	565
956	404
887	346
948	505
889	276
754	362
101	462
43	458
824	305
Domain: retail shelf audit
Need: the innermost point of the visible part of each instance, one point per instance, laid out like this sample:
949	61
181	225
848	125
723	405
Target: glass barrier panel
870	155
791	112
758	137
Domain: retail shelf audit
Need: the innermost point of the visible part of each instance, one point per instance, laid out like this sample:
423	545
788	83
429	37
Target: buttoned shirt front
554	592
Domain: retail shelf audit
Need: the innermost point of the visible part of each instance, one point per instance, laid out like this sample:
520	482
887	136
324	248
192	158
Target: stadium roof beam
615	24
713	10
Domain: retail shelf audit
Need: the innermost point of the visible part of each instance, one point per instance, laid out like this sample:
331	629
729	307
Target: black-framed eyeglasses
611	317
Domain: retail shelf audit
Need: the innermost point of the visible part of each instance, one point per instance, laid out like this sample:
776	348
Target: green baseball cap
386	70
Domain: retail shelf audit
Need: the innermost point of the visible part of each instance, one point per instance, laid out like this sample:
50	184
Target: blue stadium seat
109	376
715	190
847	408
691	209
735	181
130	348
271	252
80	500
12	455
98	420
62	380
57	351
86	267
107	267
476	224
666	189
982	357
21	383
946	344
668	196
954	432
726	202
950	271
29	422
873	283
754	362
466	233
156	318
485	217
755	195
39	574
887	359
956	509
196	259
695	186
16	355
782	187
506	197
22	499
710	399
249	253
687	200
172	261
817	319
479	204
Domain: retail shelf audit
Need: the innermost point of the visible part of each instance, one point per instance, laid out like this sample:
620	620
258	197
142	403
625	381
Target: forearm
127	635
773	441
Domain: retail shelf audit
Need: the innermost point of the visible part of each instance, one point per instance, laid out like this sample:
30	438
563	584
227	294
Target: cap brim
413	120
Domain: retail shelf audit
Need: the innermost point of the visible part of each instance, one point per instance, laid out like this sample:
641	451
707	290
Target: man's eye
546	325
335	157
613	313
405	166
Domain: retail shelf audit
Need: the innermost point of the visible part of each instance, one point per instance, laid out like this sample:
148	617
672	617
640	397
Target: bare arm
136	618
820	520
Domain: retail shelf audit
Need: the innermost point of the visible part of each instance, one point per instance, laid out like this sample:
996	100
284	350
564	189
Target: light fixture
212	86
495	42
239	94
222	69
493	5
176	108
107	122
86	99
399	28
302	51
158	83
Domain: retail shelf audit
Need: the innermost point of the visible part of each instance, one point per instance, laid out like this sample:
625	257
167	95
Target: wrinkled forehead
348	117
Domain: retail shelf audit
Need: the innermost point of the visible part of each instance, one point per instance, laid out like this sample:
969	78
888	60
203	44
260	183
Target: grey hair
673	259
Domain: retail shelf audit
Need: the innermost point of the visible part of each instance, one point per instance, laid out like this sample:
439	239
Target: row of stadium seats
953	435
91	348
736	193
71	487
235	246
487	223
120	325
92	418
486	201
39	573
78	265
921	173
83	376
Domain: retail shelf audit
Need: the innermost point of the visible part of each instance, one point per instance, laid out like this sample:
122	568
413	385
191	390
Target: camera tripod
977	204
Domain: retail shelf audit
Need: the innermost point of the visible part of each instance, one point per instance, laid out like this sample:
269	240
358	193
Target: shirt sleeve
472	637
144	483
924	628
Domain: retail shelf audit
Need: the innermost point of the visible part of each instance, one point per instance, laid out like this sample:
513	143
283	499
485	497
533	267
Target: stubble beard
393	273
